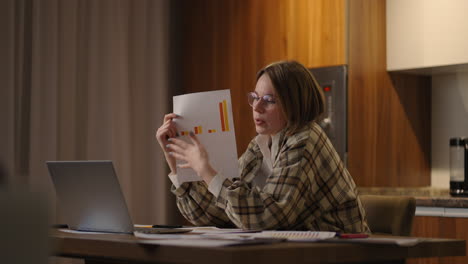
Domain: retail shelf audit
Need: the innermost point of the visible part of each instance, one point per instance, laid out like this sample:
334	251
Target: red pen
353	235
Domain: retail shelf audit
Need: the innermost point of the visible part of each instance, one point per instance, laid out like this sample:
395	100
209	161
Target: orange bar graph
197	129
221	115
226	119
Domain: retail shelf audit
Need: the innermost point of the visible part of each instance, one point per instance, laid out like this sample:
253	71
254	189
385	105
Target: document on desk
291	236
223	238
196	241
66	230
209	236
209	116
208	230
297	236
204	232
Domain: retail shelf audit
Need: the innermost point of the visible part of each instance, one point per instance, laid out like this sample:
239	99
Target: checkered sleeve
278	204
198	205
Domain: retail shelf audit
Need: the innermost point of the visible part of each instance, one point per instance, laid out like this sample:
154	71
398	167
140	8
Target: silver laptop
90	197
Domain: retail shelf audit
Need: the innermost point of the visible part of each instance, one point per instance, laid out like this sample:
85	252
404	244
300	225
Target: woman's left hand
194	154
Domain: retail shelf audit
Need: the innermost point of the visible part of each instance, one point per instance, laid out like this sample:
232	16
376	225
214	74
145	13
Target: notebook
90	197
299	236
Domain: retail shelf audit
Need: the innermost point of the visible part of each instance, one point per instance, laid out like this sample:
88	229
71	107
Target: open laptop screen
89	196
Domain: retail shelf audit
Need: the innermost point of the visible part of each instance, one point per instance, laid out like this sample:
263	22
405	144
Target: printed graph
224	121
223	116
209	115
197	130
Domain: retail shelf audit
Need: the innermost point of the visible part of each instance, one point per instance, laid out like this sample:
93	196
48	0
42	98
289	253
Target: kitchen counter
425	196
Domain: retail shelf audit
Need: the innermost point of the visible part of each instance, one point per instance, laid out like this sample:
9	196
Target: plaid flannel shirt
309	189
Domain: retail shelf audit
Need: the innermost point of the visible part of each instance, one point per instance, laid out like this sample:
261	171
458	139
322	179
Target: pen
352	235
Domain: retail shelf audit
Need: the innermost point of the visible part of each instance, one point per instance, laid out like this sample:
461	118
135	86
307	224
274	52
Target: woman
291	177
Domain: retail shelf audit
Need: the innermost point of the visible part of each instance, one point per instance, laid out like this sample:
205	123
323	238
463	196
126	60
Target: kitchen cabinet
427	36
440	227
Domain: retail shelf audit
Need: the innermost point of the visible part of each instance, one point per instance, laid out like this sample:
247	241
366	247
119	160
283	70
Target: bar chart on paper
209	116
224	122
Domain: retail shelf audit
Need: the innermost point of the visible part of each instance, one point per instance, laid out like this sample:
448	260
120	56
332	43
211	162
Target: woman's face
268	115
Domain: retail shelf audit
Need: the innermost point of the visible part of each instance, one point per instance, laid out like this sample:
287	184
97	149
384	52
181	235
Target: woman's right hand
167	130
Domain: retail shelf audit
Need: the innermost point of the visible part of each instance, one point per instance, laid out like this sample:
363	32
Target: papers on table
203	232
162	236
210	236
66	230
209	242
217	237
209	116
305	236
207	230
294	236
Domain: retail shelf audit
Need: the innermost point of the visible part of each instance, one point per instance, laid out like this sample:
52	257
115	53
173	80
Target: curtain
87	80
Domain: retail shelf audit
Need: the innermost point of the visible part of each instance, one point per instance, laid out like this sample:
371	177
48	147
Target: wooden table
121	248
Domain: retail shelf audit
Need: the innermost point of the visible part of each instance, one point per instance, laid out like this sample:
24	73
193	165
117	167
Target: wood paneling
389	115
440	227
224	43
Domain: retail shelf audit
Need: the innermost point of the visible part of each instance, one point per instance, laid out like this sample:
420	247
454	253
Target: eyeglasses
266	100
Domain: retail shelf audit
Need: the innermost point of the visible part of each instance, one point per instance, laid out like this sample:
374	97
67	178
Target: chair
389	214
25	227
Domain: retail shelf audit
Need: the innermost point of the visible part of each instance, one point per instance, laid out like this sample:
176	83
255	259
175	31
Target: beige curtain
87	80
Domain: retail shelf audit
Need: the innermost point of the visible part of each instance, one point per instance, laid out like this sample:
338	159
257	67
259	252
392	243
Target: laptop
90	197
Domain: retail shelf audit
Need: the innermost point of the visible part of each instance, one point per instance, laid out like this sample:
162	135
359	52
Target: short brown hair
298	92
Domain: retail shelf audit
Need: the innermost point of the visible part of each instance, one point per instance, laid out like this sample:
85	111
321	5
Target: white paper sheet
303	236
209	116
203	242
164	236
215	230
81	232
216	237
241	234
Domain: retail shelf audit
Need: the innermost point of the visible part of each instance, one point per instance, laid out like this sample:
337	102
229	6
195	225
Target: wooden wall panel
224	43
440	227
389	115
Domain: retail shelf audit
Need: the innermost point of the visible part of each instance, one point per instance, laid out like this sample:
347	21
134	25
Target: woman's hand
194	154
166	131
